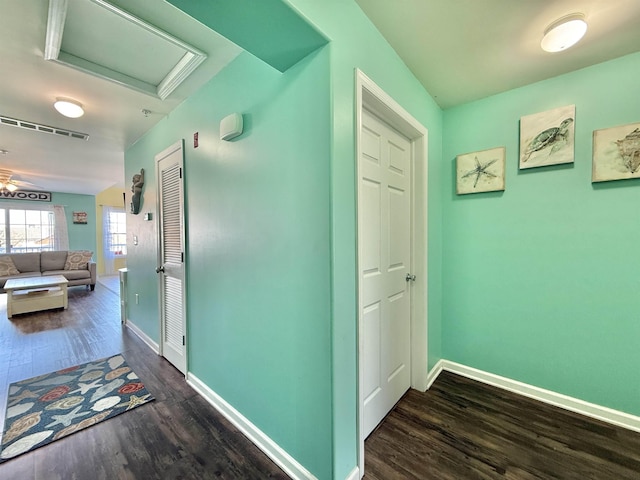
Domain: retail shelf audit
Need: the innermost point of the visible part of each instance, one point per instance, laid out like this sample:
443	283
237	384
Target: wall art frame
80	218
616	153
481	171
547	138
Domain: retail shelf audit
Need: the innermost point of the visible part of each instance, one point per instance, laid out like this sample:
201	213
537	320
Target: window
26	230
117	232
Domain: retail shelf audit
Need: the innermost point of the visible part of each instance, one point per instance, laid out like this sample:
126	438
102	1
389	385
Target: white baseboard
280	457
433	374
143	336
605	414
354	475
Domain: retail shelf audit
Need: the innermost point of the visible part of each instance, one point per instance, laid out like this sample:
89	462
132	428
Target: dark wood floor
177	436
461	429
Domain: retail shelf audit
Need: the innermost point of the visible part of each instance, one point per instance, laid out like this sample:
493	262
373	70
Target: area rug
52	406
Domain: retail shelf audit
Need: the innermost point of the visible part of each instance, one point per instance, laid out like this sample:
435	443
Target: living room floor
112	282
178	435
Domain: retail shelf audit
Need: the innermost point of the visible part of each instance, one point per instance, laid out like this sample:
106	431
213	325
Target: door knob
410	278
160	269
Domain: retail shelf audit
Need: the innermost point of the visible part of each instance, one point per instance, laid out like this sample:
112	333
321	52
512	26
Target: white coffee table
33	294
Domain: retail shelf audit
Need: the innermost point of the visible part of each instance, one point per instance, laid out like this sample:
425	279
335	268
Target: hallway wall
540	281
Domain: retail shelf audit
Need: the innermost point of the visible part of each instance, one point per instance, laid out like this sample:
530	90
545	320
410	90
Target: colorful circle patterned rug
43	409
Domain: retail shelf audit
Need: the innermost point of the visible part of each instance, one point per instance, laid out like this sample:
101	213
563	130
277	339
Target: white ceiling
113	113
461	50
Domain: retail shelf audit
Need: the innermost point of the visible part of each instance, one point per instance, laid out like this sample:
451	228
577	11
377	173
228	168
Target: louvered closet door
171	239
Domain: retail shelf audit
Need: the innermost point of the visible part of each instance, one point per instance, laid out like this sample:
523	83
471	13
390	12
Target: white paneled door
171	255
384	230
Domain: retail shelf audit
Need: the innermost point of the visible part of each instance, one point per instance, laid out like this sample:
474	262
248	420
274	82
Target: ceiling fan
10	183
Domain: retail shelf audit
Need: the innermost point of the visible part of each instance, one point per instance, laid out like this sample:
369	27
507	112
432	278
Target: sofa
75	265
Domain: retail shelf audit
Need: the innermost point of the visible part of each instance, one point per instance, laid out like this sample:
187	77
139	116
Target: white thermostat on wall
231	126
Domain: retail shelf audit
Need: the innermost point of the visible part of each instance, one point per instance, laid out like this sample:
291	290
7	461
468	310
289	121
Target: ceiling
461	50
113	117
464	50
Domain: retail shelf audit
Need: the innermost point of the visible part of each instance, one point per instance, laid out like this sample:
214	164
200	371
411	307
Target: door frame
373	98
179	145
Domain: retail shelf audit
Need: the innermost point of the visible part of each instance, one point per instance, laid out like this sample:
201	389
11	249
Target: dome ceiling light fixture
564	33
68	108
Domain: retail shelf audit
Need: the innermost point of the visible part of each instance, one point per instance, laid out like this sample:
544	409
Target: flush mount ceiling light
564	33
68	108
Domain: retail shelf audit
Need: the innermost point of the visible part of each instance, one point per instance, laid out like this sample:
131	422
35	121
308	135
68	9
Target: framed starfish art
481	171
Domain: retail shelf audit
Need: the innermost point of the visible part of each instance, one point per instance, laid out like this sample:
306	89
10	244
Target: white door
384	233
171	255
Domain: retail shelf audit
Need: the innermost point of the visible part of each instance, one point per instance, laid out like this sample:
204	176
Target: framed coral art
616	153
546	138
481	171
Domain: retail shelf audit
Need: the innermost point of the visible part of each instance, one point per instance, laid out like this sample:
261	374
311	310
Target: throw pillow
7	267
77	259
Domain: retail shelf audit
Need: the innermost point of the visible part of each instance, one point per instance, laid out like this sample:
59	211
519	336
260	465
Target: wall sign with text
25	195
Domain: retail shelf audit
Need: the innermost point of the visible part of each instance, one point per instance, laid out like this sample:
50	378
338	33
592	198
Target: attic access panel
103	40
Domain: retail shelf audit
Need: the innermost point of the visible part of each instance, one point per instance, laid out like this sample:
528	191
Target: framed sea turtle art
481	171
547	138
616	153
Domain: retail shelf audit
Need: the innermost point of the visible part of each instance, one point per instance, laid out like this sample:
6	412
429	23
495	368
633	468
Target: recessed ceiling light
11	187
68	108
564	33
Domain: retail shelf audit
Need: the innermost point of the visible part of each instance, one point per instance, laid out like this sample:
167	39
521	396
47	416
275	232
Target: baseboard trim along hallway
279	456
354	475
605	414
297	472
143	336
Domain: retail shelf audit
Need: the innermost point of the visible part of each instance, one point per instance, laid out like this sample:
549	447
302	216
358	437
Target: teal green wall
142	258
535	283
540	283
355	43
258	248
81	236
272	304
243	22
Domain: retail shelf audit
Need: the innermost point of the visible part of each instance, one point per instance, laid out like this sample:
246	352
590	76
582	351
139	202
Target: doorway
392	257
171	241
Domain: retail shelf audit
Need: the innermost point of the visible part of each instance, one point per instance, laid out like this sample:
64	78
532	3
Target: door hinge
183	343
182	257
180	172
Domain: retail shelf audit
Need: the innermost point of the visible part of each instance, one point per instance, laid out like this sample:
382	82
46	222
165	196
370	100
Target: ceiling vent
14	122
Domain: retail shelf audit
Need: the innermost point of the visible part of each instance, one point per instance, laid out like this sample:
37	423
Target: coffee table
33	294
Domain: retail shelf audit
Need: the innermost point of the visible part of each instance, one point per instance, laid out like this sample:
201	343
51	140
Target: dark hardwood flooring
177	436
459	429
462	429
